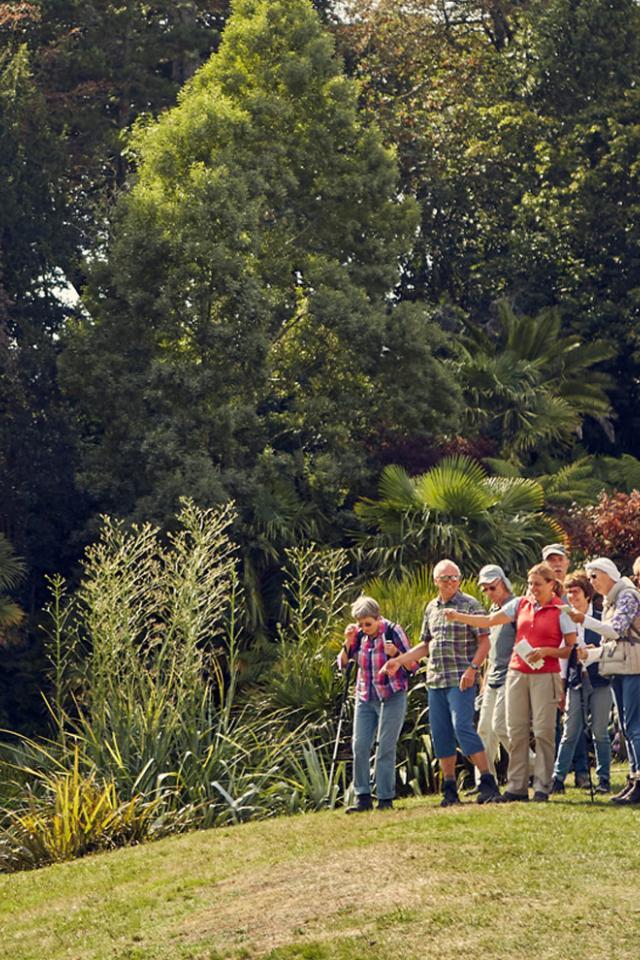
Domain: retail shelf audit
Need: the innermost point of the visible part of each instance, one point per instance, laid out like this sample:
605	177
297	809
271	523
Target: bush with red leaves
610	528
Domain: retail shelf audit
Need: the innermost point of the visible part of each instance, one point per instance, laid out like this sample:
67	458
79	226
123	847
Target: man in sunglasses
456	653
492	724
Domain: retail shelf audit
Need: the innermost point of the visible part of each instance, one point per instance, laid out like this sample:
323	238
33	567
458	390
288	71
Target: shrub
610	528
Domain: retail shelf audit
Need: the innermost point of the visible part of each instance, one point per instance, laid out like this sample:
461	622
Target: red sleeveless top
541	628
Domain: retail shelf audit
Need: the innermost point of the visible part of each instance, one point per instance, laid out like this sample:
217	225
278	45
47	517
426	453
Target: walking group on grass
569	648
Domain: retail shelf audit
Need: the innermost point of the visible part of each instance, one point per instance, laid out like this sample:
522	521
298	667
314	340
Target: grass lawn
556	880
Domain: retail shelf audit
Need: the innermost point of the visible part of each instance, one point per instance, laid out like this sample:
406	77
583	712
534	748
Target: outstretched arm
477	619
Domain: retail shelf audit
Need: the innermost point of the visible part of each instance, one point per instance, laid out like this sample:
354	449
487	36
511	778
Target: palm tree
532	385
455	510
12	570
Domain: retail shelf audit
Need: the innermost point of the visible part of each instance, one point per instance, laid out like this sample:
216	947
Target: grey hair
441	563
365	607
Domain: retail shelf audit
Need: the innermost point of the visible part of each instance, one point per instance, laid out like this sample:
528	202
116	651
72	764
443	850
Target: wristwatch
476	666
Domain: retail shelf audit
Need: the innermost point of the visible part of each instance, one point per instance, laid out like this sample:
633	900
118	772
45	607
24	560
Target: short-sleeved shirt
451	645
501	640
510	609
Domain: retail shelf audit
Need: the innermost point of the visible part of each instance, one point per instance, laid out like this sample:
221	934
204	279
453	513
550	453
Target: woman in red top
544	636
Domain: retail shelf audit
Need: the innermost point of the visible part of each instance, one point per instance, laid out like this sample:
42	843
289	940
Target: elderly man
456	654
492	725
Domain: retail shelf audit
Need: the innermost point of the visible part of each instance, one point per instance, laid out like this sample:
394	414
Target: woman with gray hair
620	622
381	701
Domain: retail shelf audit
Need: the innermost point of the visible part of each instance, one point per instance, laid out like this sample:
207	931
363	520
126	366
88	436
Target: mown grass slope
555	880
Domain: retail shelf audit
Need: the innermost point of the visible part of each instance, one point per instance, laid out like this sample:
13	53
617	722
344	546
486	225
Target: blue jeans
598	704
451	717
386	717
626	693
580	760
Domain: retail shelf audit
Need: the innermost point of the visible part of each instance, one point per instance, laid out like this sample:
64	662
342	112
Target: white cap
554	548
605	566
493	572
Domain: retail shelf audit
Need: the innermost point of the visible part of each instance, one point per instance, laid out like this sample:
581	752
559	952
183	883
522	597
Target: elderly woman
534	684
381	701
620	621
588	695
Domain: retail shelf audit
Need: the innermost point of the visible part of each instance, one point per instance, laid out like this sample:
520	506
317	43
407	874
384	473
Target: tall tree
39	506
241	332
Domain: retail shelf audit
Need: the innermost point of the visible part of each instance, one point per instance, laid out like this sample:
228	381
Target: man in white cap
556	555
620	621
492	724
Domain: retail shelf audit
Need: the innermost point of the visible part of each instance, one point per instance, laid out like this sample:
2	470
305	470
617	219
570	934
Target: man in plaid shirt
456	653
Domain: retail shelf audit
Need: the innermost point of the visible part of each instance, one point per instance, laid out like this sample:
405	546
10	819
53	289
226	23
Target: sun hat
605	566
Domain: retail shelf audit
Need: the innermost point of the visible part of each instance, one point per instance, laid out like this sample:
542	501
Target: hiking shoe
362	804
385	804
557	786
582	781
509	797
488	790
631	798
628	787
603	787
450	794
540	796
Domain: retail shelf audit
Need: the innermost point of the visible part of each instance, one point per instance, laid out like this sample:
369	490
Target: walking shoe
557	786
450	792
509	797
603	787
628	787
582	781
488	790
631	798
540	796
362	804
385	804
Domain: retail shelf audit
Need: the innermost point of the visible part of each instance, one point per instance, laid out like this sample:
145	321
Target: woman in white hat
620	621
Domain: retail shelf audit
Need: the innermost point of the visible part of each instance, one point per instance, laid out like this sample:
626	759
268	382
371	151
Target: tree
522	156
39	504
12	571
242	323
455	510
528	385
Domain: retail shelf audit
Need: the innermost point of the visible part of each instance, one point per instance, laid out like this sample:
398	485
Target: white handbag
619	658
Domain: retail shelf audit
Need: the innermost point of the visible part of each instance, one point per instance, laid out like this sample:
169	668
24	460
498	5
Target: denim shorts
451	713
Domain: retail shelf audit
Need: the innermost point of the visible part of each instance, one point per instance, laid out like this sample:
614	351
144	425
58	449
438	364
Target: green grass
556	881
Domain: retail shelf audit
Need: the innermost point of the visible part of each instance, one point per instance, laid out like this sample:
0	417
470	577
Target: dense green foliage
235	263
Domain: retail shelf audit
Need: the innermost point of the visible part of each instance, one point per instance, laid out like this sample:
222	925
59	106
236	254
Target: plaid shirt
371	657
451	645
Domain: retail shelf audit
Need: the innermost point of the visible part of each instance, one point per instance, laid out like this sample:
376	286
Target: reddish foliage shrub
610	528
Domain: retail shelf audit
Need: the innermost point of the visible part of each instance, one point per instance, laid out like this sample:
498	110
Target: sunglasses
448	578
488	589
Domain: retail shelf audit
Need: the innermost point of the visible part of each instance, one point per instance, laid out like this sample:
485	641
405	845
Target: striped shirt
451	645
370	656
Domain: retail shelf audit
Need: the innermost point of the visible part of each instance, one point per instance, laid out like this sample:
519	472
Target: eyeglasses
448	577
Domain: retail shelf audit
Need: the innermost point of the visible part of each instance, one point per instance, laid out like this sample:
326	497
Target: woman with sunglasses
534	684
620	621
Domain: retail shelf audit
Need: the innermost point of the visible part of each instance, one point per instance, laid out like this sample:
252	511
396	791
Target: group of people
570	647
